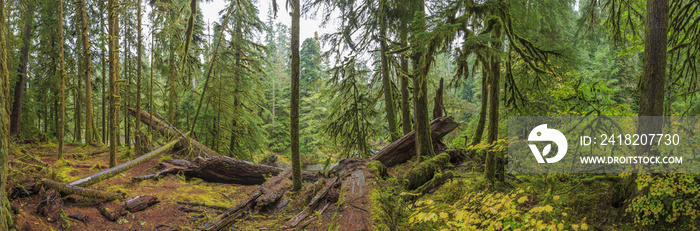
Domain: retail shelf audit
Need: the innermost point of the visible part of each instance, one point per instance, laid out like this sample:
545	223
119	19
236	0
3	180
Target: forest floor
170	190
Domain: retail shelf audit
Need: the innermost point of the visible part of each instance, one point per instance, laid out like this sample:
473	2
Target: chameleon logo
542	133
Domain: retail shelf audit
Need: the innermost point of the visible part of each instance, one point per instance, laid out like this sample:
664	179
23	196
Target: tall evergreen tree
113	21
5	211
294	117
62	81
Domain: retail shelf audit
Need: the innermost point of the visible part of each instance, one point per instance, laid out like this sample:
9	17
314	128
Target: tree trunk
479	132
105	135
404	148
127	88
5	217
112	8
137	123
16	115
438	107
87	63
62	82
294	112
652	83
386	79
403	75
493	167
172	95
420	92
423	172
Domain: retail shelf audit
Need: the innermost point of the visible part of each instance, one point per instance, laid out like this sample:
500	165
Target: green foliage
672	198
353	110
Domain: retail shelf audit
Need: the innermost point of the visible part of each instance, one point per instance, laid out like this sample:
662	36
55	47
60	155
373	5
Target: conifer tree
62	82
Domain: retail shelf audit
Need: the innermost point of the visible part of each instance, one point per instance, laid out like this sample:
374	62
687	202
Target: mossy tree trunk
87	63
103	57
112	8
494	167
137	123
438	106
62	82
386	79
294	112
424	143
5	218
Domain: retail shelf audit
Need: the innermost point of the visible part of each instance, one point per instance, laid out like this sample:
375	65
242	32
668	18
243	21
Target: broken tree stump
139	203
404	148
80	191
109	173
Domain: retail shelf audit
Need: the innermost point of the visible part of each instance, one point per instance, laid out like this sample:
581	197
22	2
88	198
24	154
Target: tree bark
386	79
5	217
403	75
139	203
87	63
137	123
404	148
294	112
420	91
112	8
16	115
493	167
62	82
438	107
479	132
105	135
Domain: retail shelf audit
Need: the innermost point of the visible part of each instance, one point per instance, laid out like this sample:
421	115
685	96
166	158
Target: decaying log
51	205
355	178
423	172
110	215
404	148
313	204
139	203
272	190
80	191
167	130
108	173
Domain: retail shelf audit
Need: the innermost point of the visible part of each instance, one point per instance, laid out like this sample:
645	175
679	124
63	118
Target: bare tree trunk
62	80
112	8
294	112
16	115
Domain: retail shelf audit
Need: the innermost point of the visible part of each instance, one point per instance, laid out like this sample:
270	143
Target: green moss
377	168
8	214
64	171
126	155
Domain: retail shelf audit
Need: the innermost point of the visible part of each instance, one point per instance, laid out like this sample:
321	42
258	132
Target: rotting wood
404	148
423	172
139	203
80	191
313	204
108	173
50	205
272	190
110	215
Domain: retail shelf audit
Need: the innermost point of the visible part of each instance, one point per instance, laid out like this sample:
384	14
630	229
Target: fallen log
271	190
80	191
139	203
404	148
423	172
167	130
108	173
313	204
